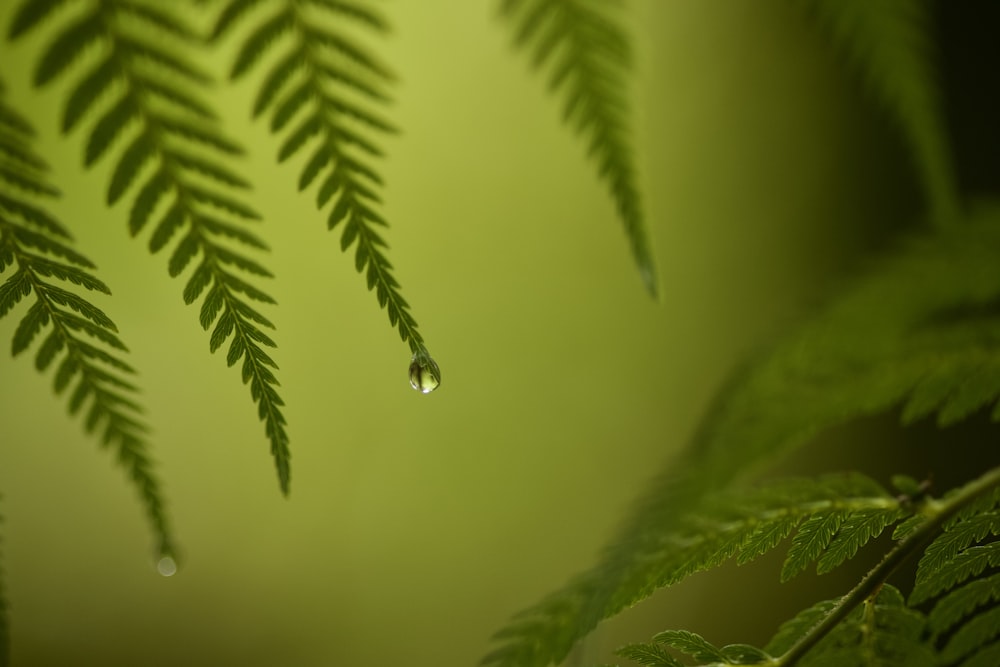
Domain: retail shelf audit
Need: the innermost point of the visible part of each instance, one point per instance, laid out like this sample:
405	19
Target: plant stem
942	512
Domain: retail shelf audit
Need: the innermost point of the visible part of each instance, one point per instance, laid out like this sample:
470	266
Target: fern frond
890	43
872	625
325	86
176	158
33	244
588	56
742	525
926	317
881	631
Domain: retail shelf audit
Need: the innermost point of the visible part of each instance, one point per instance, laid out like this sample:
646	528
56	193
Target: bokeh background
417	524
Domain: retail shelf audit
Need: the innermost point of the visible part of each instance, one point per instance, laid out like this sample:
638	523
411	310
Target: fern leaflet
889	42
588	55
176	156
35	246
328	83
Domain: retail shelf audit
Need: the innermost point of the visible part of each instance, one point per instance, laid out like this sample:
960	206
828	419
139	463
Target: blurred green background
418	524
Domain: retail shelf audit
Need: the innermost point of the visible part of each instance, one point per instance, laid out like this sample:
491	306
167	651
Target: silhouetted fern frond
588	54
173	153
324	88
36	247
890	43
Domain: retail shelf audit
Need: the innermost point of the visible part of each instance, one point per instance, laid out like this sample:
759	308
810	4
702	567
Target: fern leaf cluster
587	56
874	624
79	339
175	163
919	332
829	518
322	92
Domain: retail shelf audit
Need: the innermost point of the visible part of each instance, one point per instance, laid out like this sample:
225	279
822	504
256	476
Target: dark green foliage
588	55
873	624
325	87
921	320
880	631
34	252
175	132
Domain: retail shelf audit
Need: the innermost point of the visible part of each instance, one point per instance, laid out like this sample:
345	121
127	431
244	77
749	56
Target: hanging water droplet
425	376
166	566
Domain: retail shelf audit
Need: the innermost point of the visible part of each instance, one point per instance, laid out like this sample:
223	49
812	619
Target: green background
418	524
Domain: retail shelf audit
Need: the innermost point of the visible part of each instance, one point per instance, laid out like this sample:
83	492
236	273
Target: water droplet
166	566
425	376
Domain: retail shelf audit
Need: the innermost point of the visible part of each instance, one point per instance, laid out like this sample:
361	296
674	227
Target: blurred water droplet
166	566
425	376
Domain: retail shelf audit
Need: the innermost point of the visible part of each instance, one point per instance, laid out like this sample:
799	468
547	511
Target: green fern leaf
881	631
589	56
651	655
30	14
310	82
32	215
212	170
854	532
170	223
165	132
275	81
138	49
957	537
260	40
66	48
695	646
812	539
231	13
158	19
972	636
26	180
691	644
128	167
964	565
88	91
183	100
34	242
890	43
150	193
109	128
961	602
